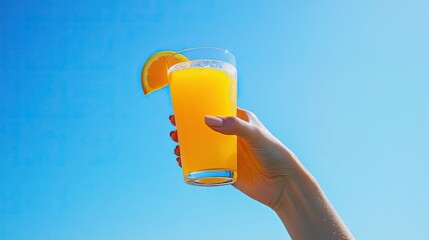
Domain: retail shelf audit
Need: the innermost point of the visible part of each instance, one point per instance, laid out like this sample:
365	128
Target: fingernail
171	133
169	117
213	121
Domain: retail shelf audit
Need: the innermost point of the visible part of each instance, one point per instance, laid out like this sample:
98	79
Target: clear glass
206	84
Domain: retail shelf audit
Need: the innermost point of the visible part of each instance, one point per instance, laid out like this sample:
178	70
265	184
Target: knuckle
251	115
231	121
234	120
248	116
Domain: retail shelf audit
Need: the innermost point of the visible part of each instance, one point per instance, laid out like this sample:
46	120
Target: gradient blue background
84	155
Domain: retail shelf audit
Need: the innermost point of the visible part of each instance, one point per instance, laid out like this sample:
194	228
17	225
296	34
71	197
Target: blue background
84	155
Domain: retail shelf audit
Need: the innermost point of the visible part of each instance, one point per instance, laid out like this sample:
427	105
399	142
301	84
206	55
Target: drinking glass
206	84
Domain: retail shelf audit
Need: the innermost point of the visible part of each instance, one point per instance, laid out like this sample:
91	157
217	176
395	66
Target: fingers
172	120
174	136
177	150
234	126
244	114
245	125
179	161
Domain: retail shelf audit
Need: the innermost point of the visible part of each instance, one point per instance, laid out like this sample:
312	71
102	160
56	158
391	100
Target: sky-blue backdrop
84	155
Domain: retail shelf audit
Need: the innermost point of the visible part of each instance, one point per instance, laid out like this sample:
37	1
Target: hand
264	164
271	174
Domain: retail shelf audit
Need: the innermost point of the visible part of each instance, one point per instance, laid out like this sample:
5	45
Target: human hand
271	174
264	164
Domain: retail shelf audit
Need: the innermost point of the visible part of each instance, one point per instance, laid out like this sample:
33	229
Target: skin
273	175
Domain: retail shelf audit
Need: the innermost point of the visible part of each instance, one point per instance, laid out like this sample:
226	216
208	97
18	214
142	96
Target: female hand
271	174
264	163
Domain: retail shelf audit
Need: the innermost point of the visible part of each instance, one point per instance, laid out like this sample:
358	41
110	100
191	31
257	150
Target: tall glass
204	85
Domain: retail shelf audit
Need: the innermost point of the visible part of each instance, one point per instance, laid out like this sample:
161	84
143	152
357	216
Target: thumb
232	126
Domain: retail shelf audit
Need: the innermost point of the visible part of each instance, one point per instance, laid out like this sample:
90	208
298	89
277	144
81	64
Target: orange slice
154	73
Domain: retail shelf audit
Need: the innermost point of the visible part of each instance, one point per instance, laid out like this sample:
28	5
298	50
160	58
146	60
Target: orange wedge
154	73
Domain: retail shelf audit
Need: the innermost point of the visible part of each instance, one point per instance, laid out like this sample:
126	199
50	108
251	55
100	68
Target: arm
306	211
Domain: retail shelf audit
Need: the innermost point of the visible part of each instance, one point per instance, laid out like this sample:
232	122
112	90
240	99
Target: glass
204	85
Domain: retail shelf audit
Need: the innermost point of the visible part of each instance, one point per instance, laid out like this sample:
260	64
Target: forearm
306	212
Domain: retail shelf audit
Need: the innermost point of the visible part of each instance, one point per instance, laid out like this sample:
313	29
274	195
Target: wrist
292	207
305	210
298	186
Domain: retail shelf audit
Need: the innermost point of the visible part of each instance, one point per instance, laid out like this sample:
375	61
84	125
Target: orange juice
199	88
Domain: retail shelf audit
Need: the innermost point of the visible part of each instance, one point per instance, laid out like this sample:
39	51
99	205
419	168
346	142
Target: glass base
211	178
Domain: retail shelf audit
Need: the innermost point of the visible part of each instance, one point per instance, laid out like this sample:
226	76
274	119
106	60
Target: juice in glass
199	88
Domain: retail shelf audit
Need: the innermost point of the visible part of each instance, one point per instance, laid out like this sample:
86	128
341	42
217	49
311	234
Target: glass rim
225	51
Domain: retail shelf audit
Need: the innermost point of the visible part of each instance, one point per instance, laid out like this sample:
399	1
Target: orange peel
154	73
